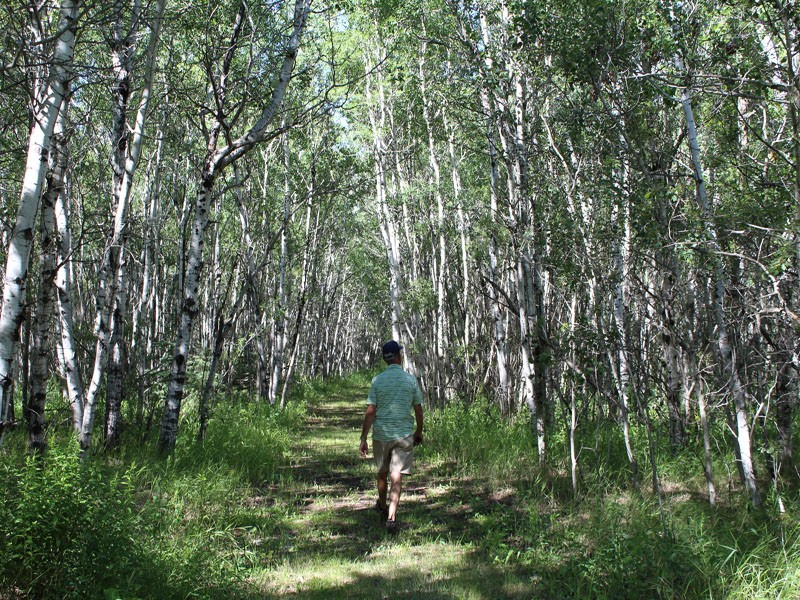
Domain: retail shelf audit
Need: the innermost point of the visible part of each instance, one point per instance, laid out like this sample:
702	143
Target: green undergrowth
608	540
132	524
277	504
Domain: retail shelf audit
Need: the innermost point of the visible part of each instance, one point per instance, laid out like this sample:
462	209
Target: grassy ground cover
279	505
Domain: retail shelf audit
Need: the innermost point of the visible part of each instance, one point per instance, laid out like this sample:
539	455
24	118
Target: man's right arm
418	417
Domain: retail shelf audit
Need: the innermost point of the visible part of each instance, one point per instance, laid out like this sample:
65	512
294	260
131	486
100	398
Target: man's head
392	352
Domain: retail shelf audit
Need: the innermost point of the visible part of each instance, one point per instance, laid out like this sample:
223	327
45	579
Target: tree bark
216	160
129	151
725	349
19	248
40	356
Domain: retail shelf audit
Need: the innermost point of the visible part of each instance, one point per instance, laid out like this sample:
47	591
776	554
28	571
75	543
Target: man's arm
418	417
369	418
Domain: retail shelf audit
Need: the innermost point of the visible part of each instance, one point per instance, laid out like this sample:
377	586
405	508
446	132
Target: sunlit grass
278	504
402	569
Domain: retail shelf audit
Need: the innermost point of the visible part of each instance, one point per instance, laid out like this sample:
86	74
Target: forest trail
332	543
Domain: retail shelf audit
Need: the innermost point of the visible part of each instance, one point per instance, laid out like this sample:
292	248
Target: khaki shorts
395	455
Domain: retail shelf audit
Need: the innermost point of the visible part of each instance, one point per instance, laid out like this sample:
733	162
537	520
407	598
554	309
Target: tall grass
132	524
475	439
611	541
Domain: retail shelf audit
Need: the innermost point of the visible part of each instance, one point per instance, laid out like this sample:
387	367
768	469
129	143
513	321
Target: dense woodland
580	218
585	212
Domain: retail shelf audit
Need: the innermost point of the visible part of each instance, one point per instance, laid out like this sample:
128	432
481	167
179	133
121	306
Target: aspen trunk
40	363
439	273
725	349
386	221
529	288
494	282
573	403
466	302
19	247
144	310
126	159
216	160
62	281
707	462
305	277
280	319
620	367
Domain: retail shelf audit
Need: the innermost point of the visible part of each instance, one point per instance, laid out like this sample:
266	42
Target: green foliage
475	438
216	517
249	439
611	543
67	527
81	528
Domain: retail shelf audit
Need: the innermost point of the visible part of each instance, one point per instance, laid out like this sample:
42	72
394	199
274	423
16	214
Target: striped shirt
394	392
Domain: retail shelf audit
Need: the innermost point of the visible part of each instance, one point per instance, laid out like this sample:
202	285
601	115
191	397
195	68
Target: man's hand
369	418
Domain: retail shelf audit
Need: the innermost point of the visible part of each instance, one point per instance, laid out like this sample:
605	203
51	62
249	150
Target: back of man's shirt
394	392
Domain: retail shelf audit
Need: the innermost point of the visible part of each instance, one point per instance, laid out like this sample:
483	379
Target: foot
391	526
383	511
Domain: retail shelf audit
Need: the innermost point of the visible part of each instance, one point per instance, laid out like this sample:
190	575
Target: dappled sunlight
426	570
334	544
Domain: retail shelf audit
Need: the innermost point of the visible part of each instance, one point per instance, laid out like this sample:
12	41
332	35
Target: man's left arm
369	419
417	404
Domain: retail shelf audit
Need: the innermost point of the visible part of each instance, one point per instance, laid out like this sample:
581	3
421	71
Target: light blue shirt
394	392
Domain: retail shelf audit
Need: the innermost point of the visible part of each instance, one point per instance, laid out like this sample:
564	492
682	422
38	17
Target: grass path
332	544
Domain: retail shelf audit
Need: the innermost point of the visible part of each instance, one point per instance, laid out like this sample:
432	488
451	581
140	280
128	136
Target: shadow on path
332	544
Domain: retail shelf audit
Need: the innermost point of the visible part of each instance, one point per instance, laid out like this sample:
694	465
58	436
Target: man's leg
383	487
394	495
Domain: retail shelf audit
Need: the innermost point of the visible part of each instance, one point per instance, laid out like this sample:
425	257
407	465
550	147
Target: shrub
66	528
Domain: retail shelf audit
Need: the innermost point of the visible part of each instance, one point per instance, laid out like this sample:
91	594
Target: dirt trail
333	544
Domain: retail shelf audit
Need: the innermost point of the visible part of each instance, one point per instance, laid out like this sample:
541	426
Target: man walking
392	395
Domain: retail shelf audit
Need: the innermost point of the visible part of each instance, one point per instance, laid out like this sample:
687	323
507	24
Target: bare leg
383	487
394	495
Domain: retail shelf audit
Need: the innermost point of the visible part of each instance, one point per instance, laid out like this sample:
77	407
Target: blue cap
391	349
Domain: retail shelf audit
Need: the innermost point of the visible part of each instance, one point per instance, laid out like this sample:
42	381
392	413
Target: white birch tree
216	160
47	103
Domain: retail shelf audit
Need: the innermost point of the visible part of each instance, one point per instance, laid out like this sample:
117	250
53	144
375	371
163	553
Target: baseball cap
391	349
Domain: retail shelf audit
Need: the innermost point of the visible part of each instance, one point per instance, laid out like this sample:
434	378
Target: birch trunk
306	276
40	355
122	65
707	460
466	303
63	284
19	247
435	181
215	162
144	311
674	380
222	328
530	305
783	58
494	282
734	384
279	322
129	151
621	368
573	403
388	228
